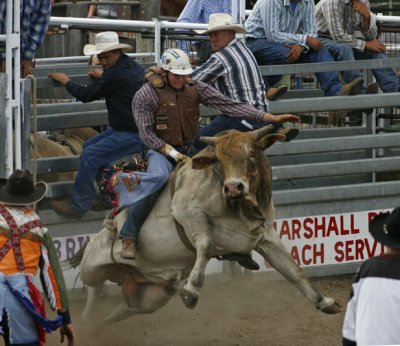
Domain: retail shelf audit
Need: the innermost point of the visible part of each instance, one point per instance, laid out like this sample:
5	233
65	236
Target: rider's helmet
176	61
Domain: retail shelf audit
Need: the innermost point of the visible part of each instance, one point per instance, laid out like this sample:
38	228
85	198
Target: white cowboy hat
222	21
105	42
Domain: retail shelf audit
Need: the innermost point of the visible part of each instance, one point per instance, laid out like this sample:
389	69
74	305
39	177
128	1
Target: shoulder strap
16	234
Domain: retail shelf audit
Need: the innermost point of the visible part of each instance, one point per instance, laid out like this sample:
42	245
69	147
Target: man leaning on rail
119	81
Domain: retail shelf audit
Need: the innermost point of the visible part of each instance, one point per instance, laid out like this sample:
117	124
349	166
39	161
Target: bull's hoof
331	309
189	299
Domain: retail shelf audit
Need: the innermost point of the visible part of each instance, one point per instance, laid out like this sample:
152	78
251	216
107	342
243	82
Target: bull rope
34	130
34	125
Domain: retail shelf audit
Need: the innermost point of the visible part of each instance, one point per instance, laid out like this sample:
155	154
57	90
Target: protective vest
177	114
16	233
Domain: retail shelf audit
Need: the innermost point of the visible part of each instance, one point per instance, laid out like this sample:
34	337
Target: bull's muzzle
235	189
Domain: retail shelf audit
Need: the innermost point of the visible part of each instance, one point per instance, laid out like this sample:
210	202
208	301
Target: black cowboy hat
19	189
385	228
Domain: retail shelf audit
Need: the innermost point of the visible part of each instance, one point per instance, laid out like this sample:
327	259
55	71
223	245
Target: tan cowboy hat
105	42
385	228
19	189
222	21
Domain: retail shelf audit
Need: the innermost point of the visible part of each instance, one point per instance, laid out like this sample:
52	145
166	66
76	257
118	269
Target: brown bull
70	144
222	200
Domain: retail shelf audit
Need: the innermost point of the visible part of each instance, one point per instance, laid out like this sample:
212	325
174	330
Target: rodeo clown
26	246
166	112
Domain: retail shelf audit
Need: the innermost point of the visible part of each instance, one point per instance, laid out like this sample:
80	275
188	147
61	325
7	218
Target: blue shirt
275	21
233	71
35	18
198	11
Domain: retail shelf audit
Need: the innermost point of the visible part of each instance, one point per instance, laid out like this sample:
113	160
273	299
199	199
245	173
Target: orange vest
19	248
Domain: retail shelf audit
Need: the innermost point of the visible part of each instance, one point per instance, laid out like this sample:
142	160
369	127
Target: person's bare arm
59	77
363	10
294	54
375	46
26	67
314	43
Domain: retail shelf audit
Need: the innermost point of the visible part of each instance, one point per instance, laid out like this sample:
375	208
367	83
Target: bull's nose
234	190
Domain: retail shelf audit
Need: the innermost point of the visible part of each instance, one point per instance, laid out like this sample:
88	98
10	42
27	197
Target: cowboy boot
128	249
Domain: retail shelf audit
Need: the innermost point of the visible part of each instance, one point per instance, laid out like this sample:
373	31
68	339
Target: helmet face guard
176	61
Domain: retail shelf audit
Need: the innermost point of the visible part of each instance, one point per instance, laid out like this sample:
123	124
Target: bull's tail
76	260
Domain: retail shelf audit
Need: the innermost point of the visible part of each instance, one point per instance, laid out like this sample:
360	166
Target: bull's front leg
195	226
273	250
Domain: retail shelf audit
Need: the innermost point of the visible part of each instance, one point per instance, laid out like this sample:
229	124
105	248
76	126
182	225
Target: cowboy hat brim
236	28
90	49
39	192
376	228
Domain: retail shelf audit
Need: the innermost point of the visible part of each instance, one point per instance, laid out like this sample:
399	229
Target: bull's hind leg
273	250
148	298
92	298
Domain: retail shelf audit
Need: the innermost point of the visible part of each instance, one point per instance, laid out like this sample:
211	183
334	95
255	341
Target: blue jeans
99	151
21	324
146	193
271	53
223	123
386	78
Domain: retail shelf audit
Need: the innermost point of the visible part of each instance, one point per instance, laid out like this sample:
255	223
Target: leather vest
177	115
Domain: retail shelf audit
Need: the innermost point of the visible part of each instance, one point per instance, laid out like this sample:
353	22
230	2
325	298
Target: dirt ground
257	309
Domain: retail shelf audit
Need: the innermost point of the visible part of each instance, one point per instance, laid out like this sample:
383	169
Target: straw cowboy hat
105	42
19	189
385	228
222	21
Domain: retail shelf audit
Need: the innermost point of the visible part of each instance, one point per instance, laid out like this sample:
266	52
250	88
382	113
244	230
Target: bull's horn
263	131
209	140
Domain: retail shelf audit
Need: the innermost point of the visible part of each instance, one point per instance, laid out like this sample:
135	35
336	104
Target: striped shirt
336	18
275	21
373	311
234	71
145	103
35	18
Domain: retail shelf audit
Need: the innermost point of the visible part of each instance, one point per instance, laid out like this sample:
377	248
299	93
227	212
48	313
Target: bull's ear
203	160
268	140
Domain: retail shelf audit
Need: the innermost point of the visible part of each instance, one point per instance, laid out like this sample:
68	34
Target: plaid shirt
35	18
233	70
275	21
145	103
336	19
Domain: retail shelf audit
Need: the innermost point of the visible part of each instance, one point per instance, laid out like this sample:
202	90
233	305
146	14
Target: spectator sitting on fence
339	24
34	21
199	11
121	78
285	32
373	311
232	70
166	110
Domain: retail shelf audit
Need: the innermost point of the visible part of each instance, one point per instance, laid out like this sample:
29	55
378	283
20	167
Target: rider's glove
169	150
